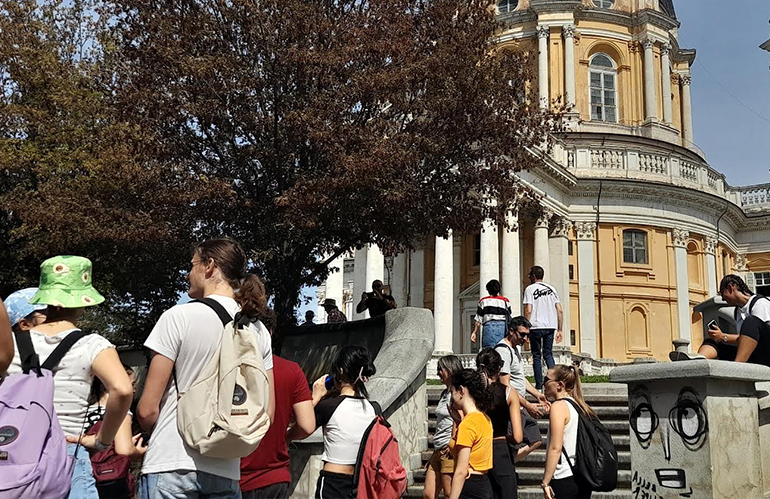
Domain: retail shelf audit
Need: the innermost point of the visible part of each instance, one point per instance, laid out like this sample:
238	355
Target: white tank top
569	445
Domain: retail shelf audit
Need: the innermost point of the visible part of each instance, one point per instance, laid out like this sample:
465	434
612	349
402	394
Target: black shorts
272	491
334	486
477	487
568	488
531	431
724	351
502	476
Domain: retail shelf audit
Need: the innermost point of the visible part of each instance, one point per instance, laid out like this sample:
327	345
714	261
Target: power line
730	93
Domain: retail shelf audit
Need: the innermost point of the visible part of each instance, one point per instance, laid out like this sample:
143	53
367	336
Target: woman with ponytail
505	414
562	383
472	442
183	341
344	416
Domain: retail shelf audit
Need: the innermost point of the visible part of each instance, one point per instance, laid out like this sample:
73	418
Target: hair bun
370	370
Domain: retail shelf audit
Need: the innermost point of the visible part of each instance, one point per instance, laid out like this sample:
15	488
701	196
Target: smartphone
329	383
145	439
713	324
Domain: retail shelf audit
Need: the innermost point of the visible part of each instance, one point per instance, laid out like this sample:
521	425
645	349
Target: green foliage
129	130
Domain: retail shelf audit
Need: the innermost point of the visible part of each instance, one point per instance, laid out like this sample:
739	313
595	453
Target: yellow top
475	432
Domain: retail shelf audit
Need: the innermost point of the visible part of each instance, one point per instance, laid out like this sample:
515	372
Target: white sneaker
677	356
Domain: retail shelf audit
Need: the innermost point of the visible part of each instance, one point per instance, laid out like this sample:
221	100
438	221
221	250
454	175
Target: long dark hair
353	364
476	385
740	284
232	262
570	376
489	362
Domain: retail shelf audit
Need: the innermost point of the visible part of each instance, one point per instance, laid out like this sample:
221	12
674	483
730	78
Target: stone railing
754	197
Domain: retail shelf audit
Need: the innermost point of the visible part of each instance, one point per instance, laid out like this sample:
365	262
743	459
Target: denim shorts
83	483
185	484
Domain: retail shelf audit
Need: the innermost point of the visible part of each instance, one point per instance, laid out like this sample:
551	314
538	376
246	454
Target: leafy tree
302	128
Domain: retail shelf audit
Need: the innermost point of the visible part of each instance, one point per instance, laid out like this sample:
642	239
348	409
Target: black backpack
596	460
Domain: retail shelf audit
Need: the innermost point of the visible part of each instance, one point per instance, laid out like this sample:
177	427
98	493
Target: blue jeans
541	340
188	485
492	333
83	483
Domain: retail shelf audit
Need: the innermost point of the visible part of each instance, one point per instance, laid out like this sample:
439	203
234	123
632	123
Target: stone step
605	413
614	427
534	477
531	492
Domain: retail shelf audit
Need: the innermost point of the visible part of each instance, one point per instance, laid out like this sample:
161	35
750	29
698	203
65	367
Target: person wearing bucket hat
23	314
65	289
333	314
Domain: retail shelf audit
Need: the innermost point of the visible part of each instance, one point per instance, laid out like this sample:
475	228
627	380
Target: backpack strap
60	351
754	300
27	354
563	450
217	307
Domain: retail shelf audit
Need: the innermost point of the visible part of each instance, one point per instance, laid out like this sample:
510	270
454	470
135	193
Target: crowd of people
485	422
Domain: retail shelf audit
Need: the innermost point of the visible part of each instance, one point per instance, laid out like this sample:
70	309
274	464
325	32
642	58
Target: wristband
98	445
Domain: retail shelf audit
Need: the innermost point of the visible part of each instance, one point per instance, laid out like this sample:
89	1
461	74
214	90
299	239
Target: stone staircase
610	402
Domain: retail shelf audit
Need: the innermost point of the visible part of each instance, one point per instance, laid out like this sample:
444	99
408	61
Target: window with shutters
603	83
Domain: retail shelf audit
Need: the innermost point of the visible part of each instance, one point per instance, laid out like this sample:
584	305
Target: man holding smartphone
377	302
752	320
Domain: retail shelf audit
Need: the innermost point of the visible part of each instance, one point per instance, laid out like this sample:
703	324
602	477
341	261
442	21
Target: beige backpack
224	413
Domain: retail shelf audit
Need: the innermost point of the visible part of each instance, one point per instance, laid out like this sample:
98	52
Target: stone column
443	301
711	265
375	266
568	31
699	429
335	281
543	34
489	267
586	240
679	237
542	257
398	279
511	277
668	113
685	80
650	106
559	250
417	279
359	281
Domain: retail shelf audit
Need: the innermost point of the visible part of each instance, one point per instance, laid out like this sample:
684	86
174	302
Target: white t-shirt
543	298
189	334
761	310
72	377
513	364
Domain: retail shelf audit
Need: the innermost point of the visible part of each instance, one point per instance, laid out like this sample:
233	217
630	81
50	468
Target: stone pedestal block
694	429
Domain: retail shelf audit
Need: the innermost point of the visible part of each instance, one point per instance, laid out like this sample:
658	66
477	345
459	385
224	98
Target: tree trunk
285	302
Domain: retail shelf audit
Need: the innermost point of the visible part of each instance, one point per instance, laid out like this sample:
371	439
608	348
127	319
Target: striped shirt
493	308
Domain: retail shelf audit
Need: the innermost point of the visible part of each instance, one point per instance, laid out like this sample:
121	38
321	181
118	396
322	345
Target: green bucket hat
65	281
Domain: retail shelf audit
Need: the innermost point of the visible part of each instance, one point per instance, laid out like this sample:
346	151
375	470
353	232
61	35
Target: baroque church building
633	226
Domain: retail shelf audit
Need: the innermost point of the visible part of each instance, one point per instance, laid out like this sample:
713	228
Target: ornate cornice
711	244
561	227
586	231
680	237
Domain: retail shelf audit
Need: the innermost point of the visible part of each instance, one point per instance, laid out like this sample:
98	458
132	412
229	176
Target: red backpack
112	471
379	473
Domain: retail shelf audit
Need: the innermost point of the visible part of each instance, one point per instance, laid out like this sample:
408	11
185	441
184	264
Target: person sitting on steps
752	315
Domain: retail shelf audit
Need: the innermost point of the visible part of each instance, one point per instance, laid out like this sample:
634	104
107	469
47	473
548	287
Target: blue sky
736	141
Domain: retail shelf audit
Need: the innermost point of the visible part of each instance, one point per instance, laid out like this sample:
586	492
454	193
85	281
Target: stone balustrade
678	169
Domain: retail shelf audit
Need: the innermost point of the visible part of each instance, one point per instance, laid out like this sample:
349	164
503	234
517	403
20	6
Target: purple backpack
33	451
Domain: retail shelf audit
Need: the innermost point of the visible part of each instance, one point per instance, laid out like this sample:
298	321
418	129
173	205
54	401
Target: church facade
631	224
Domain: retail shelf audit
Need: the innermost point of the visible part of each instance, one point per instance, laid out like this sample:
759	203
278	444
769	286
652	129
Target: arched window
635	246
505	6
604	4
603	83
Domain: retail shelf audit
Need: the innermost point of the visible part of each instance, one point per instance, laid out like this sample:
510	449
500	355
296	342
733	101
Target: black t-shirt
499	412
376	306
759	331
